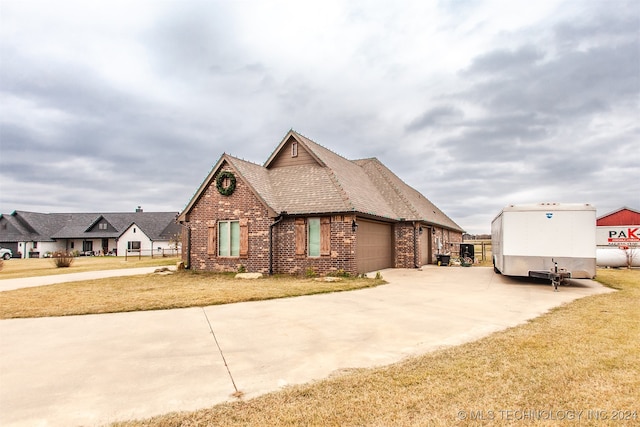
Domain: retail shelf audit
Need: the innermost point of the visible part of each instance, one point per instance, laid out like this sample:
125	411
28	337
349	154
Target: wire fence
153	253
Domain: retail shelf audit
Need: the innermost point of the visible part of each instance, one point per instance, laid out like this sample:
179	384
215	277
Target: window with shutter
313	237
300	232
325	236
244	237
229	238
211	241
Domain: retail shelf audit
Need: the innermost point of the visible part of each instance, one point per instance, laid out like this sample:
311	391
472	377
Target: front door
105	246
425	246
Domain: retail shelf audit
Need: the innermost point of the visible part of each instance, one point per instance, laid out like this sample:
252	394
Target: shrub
310	273
62	259
339	273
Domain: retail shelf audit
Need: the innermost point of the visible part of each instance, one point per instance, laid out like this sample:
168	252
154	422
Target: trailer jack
557	275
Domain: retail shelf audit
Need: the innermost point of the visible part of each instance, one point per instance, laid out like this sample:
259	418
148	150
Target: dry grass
18	268
158	292
583	356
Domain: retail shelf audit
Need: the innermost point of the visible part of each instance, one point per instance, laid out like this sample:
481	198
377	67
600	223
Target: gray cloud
442	115
105	107
515	63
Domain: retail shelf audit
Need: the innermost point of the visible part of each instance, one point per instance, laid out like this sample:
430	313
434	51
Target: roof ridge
320	145
384	170
243	160
343	193
267	198
619	210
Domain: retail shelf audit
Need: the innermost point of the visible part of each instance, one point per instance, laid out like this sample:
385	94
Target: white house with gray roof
35	235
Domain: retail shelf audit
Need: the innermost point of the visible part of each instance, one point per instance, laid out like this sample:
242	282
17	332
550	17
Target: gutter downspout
278	219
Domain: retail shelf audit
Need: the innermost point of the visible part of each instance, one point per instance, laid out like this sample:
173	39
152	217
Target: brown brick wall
213	207
405	246
342	254
243	204
450	242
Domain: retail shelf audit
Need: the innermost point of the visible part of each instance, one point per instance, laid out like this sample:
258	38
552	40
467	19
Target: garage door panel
374	250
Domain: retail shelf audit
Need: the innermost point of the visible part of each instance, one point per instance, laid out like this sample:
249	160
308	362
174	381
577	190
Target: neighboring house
34	235
307	208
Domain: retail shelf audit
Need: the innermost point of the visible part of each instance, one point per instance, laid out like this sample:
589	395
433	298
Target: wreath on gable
226	183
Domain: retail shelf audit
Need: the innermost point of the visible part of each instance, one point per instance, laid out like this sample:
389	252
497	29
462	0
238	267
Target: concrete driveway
29	282
91	370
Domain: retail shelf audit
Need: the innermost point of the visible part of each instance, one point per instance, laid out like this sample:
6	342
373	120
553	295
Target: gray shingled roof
333	185
34	226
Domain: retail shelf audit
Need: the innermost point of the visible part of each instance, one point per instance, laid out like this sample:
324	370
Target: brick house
310	208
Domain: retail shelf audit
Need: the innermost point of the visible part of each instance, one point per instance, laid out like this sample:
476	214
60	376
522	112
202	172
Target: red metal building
621	217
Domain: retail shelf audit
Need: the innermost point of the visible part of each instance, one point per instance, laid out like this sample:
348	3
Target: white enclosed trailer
546	240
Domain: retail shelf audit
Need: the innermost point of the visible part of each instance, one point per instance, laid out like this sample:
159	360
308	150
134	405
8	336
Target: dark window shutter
325	236
301	231
244	237
211	240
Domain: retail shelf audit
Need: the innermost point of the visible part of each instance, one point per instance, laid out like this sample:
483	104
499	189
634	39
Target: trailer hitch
555	274
559	275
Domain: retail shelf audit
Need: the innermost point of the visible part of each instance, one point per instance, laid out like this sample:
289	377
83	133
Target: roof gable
253	175
36	226
622	216
292	151
100	224
153	224
11	230
134	228
311	179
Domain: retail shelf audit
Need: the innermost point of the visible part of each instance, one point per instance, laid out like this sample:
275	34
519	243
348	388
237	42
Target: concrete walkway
27	282
91	370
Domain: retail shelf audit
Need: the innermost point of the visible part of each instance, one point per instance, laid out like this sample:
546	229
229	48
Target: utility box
467	251
529	240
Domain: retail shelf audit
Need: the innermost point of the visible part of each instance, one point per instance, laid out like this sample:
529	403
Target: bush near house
62	259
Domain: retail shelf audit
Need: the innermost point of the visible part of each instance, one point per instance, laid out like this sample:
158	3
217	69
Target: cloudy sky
107	105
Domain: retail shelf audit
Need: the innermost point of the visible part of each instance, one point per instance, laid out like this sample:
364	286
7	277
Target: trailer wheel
495	269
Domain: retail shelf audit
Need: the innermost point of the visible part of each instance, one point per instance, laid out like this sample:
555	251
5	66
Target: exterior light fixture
420	230
354	226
